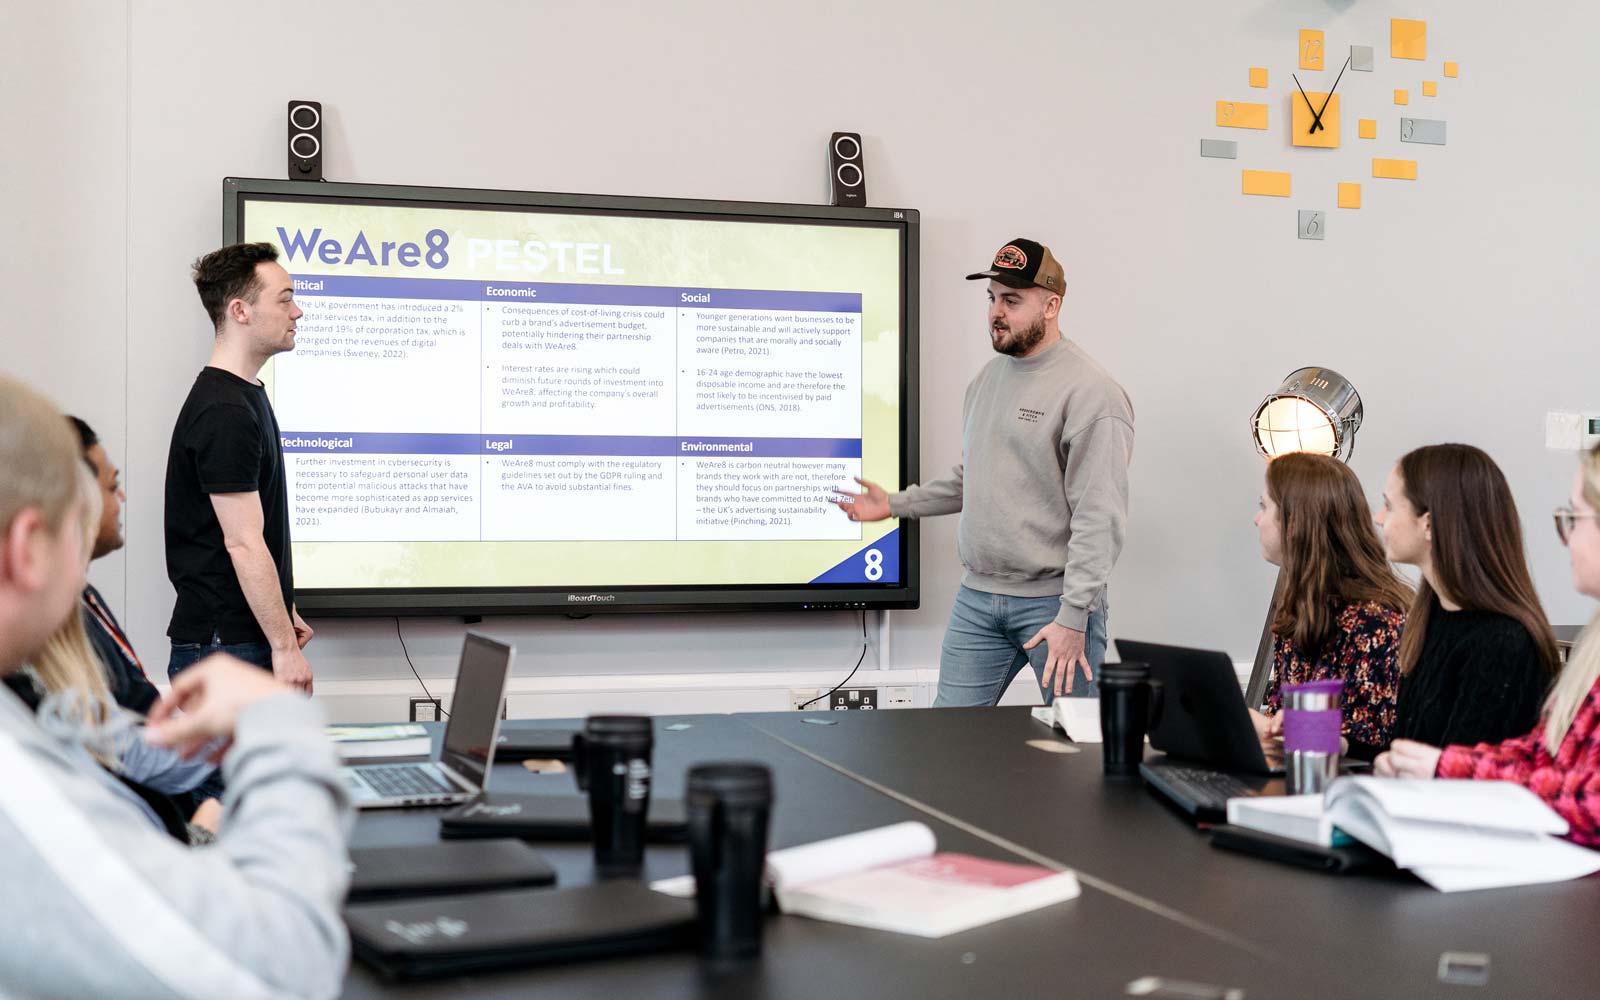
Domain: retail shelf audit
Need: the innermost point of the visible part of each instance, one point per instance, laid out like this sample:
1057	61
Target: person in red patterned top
1560	759
1342	605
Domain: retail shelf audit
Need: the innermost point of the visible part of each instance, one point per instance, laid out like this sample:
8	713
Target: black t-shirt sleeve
225	443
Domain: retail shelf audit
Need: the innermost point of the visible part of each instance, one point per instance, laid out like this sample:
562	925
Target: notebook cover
534	744
451	935
1353	857
445	868
552	818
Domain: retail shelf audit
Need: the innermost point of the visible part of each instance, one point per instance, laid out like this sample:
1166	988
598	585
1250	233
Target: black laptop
1212	751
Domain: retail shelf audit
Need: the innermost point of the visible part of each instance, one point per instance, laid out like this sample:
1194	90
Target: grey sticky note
1361	58
1222	149
1313	224
1422	130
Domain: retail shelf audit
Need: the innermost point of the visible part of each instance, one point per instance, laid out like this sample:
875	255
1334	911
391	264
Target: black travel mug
611	758
729	806
1130	702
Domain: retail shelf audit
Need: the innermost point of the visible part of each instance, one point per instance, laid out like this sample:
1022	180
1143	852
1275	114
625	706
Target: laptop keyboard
1196	788
400	780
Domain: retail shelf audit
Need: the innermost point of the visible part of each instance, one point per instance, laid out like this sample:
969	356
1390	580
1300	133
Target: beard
1017	343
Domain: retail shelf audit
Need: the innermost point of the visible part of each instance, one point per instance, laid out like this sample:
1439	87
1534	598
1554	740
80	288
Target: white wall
1460	305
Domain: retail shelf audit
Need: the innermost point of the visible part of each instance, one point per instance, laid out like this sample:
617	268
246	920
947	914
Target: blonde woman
66	686
1560	760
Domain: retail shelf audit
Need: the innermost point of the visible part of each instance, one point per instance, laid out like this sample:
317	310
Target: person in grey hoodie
1046	438
97	901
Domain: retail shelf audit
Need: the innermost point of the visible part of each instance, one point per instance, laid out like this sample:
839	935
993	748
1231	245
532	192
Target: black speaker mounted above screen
305	140
847	171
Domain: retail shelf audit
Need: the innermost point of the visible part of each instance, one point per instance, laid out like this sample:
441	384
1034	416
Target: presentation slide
523	398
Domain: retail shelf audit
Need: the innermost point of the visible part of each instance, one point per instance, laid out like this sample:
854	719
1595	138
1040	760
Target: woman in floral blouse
1342	605
1560	759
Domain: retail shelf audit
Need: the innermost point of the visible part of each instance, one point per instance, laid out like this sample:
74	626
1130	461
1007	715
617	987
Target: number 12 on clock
1310	49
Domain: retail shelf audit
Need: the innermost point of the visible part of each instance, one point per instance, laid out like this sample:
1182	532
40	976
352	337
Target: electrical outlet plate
897	697
853	699
1564	431
426	709
799	696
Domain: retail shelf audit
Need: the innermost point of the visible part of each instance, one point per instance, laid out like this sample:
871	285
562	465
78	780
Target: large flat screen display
504	402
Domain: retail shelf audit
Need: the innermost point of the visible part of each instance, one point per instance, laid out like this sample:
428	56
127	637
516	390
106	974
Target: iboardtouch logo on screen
591	598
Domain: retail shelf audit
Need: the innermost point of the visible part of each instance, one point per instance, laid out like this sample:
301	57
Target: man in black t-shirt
227	511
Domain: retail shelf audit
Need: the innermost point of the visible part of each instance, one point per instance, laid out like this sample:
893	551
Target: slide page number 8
874	570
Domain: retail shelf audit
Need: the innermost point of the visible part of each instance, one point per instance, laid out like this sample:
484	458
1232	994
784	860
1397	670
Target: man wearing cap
1042	491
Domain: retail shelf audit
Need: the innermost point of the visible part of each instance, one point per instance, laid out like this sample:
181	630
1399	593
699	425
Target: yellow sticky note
1451	69
1408	39
1368	128
1402	97
1305	107
1258	76
1236	114
1349	195
1395	170
1430	88
1310	49
1268	182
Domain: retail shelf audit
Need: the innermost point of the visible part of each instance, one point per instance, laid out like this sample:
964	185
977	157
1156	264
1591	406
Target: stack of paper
1079	718
1458	835
357	743
1296	817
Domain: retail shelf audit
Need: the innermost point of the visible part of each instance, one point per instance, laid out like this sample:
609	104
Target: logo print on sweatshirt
1028	416
1011	257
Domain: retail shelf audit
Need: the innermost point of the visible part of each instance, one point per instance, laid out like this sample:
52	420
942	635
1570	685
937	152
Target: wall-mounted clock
1314	119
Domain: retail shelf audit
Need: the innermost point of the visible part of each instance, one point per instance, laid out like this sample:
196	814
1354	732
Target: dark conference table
1362	935
1156	899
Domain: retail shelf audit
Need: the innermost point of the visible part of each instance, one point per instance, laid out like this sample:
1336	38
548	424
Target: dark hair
86	434
230	273
1331	552
88	439
1477	546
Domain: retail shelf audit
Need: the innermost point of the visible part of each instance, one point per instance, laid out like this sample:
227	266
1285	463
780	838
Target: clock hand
1316	116
1335	86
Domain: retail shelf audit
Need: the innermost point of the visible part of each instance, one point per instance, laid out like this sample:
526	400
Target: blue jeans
187	654
983	651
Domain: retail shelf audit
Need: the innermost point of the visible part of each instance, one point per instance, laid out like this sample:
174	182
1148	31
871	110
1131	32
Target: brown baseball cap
1024	262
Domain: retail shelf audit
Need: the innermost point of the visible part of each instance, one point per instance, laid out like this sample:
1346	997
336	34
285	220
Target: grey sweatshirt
98	903
1043	484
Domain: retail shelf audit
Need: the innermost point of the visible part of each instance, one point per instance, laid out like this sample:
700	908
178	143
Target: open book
892	879
1458	835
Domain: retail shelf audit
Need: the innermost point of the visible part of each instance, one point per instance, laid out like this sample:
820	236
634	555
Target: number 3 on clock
1310	49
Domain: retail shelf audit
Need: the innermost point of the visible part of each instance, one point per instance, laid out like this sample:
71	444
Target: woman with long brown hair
1560	759
1477	654
1342	606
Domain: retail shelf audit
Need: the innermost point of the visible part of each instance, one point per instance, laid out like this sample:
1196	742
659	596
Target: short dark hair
87	439
230	273
86	434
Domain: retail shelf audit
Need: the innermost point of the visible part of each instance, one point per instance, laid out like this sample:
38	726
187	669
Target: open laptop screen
475	709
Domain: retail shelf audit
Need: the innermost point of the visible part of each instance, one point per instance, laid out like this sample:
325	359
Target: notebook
552	818
439	869
453	935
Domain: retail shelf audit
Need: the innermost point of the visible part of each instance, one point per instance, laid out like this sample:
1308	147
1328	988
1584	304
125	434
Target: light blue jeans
983	651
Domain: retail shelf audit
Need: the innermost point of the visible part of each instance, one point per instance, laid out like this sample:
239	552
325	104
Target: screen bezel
477	601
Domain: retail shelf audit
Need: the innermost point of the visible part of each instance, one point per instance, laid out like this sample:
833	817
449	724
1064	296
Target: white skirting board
651	694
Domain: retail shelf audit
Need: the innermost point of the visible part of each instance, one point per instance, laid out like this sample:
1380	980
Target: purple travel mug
1311	723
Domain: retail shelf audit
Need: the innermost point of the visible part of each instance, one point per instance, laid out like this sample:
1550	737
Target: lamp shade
1315	410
